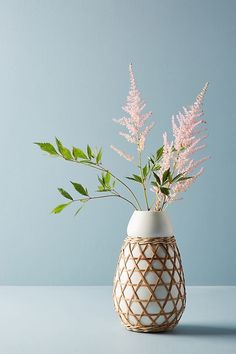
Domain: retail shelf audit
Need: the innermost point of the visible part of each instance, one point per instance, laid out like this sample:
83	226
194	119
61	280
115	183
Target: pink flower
186	143
178	154
135	121
122	153
167	154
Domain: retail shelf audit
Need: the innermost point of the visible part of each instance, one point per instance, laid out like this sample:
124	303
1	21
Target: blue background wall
63	72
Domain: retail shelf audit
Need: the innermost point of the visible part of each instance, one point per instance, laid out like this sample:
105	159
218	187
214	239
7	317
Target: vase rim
151	211
146	223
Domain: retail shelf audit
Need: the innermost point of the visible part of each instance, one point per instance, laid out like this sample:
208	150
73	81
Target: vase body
149	289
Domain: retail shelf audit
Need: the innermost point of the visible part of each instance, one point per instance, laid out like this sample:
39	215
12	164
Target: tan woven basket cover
149	289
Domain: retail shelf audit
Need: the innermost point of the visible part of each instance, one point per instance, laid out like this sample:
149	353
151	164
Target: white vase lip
146	223
154	212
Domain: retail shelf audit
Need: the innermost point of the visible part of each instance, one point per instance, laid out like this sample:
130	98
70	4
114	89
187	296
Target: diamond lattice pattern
149	290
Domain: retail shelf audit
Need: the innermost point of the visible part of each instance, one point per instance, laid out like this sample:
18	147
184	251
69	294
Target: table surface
77	319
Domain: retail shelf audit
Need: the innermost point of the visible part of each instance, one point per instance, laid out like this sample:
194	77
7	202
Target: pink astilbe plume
135	120
178	154
187	133
122	153
167	154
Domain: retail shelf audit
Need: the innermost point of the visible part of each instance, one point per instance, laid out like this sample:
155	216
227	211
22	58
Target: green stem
122	197
164	202
105	196
143	181
126	186
152	204
101	168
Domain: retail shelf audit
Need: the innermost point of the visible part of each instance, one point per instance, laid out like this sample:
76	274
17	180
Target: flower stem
126	186
105	196
143	179
102	168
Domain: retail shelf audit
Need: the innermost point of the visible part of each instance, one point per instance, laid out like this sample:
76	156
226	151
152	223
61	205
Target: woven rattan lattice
149	289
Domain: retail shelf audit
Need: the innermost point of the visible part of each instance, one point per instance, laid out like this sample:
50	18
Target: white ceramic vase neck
149	224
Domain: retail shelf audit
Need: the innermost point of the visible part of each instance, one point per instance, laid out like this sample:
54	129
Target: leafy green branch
91	159
87	197
145	172
148	174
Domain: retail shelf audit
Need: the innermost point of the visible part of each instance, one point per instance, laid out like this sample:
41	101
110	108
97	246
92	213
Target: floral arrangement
163	177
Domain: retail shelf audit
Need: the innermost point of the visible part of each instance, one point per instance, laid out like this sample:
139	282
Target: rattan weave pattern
149	288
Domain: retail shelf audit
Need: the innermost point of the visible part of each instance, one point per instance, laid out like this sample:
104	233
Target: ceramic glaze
149	224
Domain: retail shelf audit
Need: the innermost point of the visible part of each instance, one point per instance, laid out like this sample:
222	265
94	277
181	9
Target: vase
149	288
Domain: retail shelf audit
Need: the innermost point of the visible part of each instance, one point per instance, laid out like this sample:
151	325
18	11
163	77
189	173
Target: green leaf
107	178
153	183
135	179
89	152
165	176
78	153
100	189
99	156
79	188
131	179
165	191
87	161
184	179
159	153
63	150
65	193
66	154
176	178
138	178
145	171
152	160
77	212
59	144
157	178
156	167
59	208
101	180
48	148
